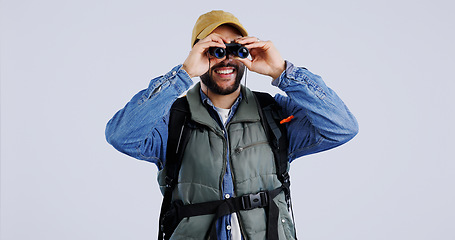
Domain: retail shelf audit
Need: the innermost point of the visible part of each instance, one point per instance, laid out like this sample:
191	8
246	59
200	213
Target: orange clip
288	119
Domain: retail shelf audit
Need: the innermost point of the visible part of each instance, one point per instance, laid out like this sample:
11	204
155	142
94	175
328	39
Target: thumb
245	61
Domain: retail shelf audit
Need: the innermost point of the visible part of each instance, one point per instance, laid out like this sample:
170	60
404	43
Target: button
174	72
227	195
228	227
282	220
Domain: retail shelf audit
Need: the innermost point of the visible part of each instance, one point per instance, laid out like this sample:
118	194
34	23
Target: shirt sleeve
140	128
321	120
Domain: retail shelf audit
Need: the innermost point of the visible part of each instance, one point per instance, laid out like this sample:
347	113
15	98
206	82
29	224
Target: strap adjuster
285	177
251	201
169	182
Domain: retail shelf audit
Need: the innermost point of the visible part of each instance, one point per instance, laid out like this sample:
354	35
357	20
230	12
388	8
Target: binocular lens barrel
231	48
243	52
218	52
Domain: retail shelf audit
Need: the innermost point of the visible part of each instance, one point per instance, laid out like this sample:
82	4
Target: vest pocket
240	149
285	218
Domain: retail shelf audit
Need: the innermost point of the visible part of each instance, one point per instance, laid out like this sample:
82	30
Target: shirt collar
206	100
211	108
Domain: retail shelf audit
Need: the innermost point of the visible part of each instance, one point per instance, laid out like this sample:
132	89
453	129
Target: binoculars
235	49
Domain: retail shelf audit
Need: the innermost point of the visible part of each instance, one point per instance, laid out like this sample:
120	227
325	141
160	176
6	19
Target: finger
216	38
206	45
259	44
245	61
247	40
211	39
224	39
212	44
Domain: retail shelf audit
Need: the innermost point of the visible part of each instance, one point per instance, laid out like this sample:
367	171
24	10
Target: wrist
184	68
278	71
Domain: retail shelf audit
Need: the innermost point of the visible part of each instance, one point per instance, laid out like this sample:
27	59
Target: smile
225	71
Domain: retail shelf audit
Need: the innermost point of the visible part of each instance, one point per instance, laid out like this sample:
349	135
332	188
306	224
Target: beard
207	79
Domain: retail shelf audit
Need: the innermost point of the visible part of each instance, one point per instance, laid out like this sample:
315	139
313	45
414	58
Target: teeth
225	71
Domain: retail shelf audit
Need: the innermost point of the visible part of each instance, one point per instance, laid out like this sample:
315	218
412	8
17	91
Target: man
228	156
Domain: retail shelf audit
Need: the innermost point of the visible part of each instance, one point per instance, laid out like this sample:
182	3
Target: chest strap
263	199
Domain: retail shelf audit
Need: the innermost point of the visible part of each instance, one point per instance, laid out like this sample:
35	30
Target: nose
230	55
228	59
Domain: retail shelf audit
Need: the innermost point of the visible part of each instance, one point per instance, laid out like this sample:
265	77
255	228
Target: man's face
225	74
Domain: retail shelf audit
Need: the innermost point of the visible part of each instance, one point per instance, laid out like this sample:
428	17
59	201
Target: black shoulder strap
178	136
277	136
276	132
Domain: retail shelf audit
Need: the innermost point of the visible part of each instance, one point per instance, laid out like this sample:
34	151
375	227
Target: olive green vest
204	165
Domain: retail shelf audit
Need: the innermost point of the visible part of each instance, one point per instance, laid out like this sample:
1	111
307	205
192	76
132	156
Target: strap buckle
251	201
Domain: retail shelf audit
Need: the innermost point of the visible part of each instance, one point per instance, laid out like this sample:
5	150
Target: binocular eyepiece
235	49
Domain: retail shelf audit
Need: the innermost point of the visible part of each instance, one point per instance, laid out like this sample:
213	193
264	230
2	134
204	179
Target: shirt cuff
184	81
183	74
290	70
177	77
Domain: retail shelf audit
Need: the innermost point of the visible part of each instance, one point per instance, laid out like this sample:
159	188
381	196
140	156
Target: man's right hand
197	62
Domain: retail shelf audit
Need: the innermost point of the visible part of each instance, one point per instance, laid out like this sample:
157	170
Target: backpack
180	126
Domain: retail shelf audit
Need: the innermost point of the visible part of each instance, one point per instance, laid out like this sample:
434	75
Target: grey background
68	66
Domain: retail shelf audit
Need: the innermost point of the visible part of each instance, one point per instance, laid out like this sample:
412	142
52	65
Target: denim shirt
140	128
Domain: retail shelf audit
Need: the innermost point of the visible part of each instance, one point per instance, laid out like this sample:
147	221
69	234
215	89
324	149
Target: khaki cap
207	22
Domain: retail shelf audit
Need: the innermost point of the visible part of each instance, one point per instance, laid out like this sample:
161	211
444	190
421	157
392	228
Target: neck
221	101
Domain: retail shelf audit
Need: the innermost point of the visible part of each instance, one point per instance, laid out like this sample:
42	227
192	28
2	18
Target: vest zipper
226	149
240	222
240	149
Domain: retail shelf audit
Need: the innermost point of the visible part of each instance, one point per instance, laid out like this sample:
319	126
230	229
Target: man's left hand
265	58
